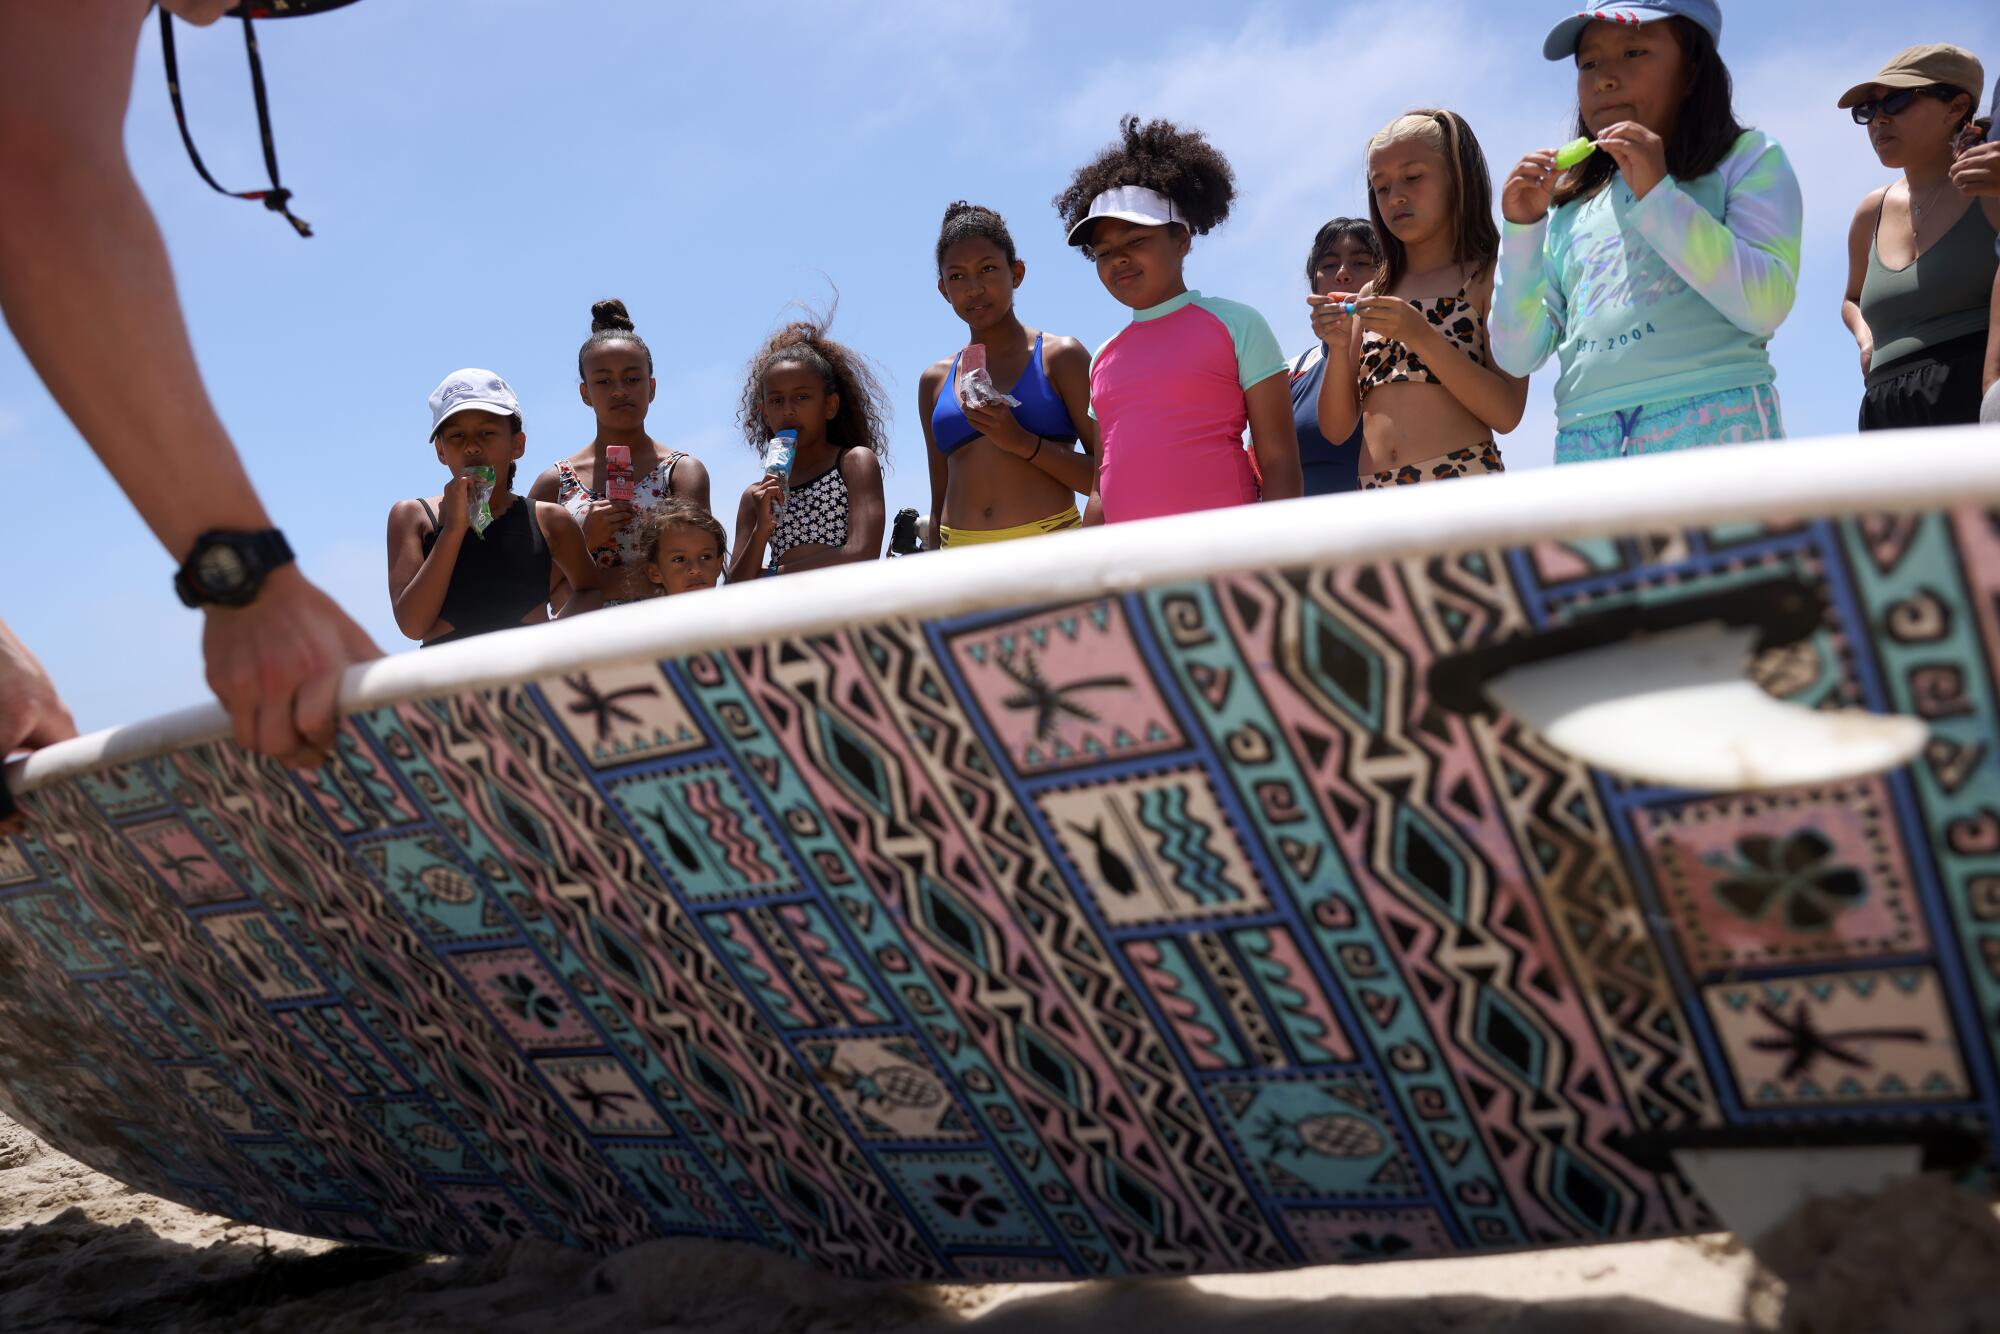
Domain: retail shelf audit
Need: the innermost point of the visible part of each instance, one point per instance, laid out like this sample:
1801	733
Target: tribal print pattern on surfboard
1169	931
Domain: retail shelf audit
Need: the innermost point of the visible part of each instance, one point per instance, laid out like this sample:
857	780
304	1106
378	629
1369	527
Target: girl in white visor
1173	390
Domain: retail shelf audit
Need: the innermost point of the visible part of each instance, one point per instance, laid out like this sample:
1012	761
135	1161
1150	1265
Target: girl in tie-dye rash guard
1658	269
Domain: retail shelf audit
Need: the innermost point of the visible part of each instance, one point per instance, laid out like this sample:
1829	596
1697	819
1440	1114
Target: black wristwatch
227	569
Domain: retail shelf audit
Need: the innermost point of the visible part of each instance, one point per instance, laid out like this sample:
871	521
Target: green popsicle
1574	152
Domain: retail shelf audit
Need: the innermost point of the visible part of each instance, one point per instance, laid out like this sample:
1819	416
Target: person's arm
418	582
1066	362
691	480
31	714
1860	240
1274	438
754	522
569	559
548	487
1991	376
1747	264
85	283
866	515
928	385
1529	310
1339	403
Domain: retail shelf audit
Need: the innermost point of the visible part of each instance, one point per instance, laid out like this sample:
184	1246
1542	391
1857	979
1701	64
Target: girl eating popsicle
1657	266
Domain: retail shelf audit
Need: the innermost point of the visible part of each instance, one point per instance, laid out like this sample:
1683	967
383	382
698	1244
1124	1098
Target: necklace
1916	209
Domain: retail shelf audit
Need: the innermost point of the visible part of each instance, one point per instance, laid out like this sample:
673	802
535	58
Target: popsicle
618	472
1574	152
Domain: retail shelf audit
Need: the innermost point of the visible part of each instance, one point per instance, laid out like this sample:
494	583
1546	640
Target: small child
1671	255
476	557
686	548
830	510
1415	369
1172	391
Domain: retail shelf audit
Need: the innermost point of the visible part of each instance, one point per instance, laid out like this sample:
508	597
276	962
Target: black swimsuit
499	578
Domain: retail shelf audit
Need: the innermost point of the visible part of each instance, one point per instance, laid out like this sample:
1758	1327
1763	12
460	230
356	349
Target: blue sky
480	170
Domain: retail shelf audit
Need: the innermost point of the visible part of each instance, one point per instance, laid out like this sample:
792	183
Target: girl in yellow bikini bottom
1459	463
979	537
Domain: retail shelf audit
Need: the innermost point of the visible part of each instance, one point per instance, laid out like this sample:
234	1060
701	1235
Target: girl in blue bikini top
999	473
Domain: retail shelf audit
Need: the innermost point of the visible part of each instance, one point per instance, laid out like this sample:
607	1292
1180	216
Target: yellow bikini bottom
979	537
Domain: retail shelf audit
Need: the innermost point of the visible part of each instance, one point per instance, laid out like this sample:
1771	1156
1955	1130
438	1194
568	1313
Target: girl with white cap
1173	390
1920	253
1660	255
476	557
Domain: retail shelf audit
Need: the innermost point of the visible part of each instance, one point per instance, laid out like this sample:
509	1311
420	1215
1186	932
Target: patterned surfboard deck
1167	931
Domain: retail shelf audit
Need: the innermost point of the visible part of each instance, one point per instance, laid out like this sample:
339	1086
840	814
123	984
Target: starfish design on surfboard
1048	700
180	867
1805	1045
602	705
600	1103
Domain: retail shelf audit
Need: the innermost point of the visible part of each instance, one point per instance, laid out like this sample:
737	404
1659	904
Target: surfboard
1354	879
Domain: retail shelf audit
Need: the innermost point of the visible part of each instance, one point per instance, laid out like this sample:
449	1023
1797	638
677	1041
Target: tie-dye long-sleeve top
1647	300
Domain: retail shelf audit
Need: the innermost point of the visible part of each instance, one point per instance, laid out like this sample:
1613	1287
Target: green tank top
1942	294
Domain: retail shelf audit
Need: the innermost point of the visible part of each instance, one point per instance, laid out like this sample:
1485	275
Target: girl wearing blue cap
1660	255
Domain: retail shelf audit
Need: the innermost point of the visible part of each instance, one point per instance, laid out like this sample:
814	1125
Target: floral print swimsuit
649	493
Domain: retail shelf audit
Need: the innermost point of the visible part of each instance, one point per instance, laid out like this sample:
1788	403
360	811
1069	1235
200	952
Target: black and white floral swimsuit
815	512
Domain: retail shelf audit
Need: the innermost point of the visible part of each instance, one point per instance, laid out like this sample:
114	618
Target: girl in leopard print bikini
616	370
1411	360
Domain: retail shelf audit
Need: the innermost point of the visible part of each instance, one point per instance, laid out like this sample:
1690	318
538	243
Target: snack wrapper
975	382
618	472
481	498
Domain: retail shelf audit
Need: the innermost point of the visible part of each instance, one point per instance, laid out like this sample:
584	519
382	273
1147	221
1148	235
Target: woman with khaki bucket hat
1921	256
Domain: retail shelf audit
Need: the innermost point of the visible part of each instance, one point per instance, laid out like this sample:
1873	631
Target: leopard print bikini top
1386	361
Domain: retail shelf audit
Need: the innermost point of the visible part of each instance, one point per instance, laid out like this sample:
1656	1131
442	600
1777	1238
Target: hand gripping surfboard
1343	880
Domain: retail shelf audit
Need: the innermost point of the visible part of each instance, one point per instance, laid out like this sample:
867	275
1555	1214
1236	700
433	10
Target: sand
80	1251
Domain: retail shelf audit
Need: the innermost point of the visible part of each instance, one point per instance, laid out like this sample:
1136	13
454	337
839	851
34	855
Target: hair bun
609	314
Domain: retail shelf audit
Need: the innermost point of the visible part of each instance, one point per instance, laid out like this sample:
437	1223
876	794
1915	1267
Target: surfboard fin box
1660	695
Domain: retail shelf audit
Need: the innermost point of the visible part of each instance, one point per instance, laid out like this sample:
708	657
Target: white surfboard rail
1886	472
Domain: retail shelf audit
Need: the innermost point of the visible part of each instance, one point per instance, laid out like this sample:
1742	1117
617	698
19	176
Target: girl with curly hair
999	473
830	511
1173	390
1414	365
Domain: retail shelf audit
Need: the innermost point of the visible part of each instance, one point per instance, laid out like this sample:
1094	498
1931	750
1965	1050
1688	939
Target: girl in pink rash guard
1173	390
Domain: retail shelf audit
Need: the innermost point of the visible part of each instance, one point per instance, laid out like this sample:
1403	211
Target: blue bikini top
1041	409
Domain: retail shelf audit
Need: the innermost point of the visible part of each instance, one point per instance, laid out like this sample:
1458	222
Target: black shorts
1936	387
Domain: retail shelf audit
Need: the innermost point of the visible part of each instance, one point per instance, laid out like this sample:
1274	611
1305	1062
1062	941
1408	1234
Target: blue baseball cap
1563	38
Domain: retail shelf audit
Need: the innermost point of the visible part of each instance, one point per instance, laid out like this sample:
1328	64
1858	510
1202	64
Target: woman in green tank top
1921	257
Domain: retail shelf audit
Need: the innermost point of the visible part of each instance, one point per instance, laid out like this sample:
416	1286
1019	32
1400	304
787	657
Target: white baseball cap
472	390
1127	203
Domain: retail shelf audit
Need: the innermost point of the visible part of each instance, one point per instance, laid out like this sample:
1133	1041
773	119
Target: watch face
220	571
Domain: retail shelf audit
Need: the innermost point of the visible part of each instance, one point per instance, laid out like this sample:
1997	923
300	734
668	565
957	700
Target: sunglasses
1896	103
